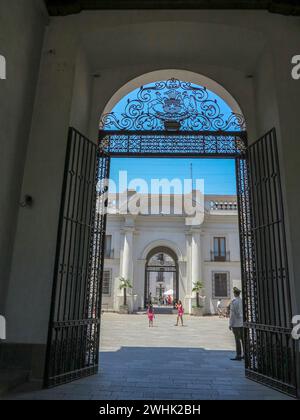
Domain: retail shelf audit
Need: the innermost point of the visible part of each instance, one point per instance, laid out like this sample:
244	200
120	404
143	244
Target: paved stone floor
161	363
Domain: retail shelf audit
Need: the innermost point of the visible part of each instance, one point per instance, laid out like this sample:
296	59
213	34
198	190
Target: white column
126	267
196	266
127	260
196	257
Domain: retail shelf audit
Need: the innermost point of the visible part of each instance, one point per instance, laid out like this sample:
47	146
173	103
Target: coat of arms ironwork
173	105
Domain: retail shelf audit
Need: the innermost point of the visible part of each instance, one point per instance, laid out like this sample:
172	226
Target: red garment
180	310
150	315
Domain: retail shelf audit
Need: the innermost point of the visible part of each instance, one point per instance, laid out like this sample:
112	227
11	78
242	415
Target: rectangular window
219	249
221	285
108	245
106	285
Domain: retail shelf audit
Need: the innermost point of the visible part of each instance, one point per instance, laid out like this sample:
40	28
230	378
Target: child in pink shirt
180	310
150	313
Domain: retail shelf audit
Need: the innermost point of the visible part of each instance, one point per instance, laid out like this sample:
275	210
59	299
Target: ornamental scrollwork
173	105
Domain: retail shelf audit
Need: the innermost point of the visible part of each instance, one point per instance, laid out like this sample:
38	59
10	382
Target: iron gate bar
270	349
73	337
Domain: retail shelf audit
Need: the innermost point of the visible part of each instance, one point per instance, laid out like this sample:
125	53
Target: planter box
124	310
198	311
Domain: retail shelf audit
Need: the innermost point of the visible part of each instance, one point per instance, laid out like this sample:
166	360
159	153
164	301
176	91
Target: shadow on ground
165	373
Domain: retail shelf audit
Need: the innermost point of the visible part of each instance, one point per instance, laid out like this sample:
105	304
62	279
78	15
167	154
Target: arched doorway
161	277
172	118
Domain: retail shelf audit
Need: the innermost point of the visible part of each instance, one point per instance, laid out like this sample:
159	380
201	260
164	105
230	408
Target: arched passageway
161	277
173	118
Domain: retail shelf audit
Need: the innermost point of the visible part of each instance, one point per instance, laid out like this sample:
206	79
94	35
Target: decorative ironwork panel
173	105
230	144
73	342
270	349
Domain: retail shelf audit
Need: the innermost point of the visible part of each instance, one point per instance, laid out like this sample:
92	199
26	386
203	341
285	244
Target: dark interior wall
277	98
82	93
22	26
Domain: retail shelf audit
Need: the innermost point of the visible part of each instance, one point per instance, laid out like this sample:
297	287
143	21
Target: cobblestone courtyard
164	362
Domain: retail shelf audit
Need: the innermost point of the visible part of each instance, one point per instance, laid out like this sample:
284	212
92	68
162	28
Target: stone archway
209	134
161	262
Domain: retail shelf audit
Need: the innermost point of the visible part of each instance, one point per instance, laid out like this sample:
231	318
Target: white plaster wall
114	229
277	100
285	91
82	92
265	93
108	302
30	286
234	276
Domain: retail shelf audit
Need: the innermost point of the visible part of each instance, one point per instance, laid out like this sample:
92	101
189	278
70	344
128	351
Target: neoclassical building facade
164	254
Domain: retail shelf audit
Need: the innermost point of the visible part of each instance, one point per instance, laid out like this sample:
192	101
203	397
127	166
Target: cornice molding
67	7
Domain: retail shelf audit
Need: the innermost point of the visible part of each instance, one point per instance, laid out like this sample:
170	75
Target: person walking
150	313
180	310
236	323
219	308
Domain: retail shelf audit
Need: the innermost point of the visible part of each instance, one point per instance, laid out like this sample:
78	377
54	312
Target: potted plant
124	285
198	309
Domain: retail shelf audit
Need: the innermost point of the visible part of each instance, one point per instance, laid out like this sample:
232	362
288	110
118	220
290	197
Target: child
150	313
180	310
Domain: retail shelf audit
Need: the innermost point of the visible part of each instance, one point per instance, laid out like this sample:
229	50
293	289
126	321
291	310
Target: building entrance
161	278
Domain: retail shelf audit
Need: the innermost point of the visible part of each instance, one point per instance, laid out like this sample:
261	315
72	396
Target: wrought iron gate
73	344
73	341
270	349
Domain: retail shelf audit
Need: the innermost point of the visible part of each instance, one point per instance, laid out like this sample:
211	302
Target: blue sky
218	174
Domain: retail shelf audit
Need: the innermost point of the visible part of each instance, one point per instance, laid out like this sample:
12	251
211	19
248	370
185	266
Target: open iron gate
270	349
74	329
73	343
